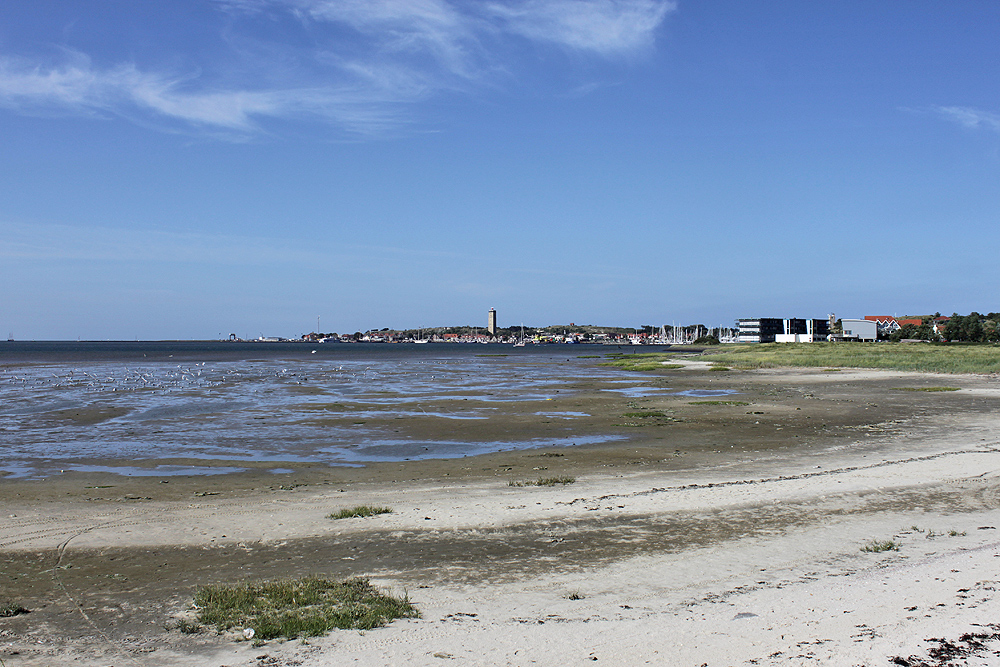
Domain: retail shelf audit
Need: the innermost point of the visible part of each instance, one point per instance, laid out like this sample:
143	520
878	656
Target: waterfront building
777	330
491	322
864	330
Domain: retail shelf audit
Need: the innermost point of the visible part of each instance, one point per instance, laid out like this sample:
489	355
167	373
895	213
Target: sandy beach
725	533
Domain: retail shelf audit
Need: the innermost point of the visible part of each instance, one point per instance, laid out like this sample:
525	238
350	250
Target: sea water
106	406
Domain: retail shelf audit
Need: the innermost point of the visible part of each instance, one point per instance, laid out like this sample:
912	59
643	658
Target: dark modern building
774	329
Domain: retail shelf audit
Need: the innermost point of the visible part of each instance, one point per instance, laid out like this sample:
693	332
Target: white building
859	329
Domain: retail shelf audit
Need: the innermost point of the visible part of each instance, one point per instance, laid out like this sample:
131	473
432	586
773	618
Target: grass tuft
642	362
189	627
878	546
543	481
292	608
9	608
359	511
718	403
926	389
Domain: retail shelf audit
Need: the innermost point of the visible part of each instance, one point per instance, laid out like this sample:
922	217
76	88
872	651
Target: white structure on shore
859	329
491	322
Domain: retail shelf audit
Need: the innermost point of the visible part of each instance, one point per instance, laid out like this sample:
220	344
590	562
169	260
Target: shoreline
718	555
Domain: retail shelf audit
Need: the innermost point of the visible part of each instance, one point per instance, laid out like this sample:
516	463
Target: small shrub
955	533
878	546
9	608
575	595
189	627
359	511
543	481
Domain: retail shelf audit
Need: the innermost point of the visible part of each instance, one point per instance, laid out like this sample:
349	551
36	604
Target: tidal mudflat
719	519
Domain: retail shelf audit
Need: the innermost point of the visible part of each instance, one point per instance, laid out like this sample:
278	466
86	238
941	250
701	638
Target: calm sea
206	407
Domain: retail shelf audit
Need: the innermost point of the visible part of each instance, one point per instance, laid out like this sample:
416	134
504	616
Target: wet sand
707	533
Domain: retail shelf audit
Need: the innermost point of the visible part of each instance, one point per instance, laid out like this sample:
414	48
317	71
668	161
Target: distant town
973	327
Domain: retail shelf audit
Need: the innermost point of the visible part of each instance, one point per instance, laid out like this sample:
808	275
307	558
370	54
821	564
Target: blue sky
185	169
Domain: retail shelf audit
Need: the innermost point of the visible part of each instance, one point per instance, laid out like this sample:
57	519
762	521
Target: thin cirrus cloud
364	63
54	242
77	86
606	27
971	118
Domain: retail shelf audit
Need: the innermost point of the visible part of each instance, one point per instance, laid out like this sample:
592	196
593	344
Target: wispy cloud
429	28
606	27
364	61
78	86
971	118
52	242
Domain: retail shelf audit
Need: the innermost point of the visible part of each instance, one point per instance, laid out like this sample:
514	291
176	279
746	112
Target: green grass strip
718	403
650	361
927	358
878	546
926	389
543	481
359	511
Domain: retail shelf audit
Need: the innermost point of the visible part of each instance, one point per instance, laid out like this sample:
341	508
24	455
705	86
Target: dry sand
719	535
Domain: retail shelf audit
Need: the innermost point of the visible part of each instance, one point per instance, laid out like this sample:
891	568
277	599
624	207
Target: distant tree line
971	328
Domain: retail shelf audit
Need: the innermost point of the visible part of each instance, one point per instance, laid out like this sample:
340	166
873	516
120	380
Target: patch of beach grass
543	481
10	608
720	368
292	608
926	389
931	358
644	415
359	511
878	546
718	403
642	362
